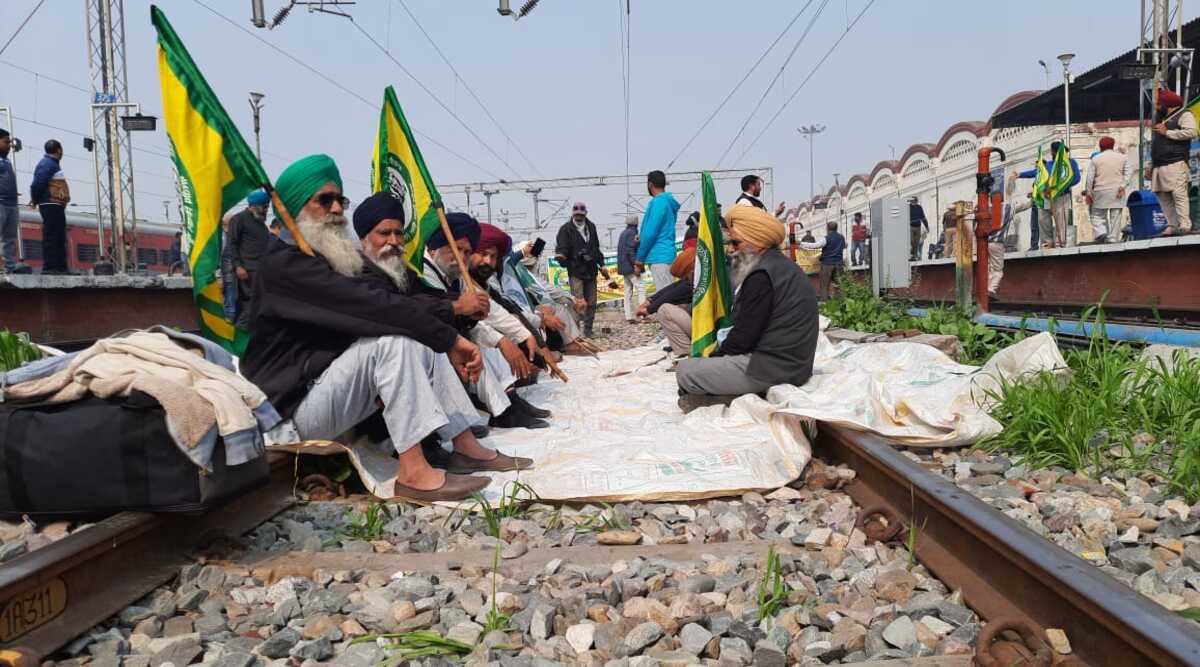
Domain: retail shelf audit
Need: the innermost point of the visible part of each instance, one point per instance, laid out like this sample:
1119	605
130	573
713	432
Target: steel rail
52	595
1004	569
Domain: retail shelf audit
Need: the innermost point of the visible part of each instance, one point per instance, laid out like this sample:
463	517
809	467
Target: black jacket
305	314
678	293
583	259
248	238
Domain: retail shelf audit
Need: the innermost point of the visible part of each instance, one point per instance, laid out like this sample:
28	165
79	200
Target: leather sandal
502	463
456	487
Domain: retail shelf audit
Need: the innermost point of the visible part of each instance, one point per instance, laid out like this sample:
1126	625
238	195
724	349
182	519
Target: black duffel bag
95	457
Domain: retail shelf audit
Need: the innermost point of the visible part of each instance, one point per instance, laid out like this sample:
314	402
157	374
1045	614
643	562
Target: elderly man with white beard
329	346
379	223
775	322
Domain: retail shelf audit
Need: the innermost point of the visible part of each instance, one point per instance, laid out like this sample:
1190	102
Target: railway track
1017	581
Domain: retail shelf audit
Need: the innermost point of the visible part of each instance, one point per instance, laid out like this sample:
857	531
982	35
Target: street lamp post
1065	59
1046	69
256	105
811	131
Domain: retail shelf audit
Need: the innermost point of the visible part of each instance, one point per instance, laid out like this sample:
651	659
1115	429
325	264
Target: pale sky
903	73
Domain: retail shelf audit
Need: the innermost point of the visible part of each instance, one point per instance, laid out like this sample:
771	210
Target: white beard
393	265
332	241
449	267
742	263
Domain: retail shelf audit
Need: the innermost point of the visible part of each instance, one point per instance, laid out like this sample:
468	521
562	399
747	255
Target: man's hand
467	360
780	208
580	304
638	267
520	365
552	323
644	309
473	304
1089	199
242	273
1121	192
1161	128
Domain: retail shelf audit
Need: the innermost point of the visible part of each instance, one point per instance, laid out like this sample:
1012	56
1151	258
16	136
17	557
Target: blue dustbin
1145	215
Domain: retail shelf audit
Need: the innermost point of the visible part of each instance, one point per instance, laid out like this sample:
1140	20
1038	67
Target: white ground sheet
618	435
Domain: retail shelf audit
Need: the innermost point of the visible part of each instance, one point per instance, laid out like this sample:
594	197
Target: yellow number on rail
32	608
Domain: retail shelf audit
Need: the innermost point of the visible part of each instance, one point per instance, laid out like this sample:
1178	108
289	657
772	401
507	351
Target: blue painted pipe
1127	332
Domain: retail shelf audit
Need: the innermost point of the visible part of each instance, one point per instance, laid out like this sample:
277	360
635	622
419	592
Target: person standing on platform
10	215
751	190
949	229
1053	214
627	244
51	195
577	248
832	260
916	220
1169	153
858	238
248	238
1105	191
656	245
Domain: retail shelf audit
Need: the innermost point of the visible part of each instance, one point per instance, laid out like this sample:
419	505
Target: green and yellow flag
216	171
397	167
712	298
1061	174
1041	182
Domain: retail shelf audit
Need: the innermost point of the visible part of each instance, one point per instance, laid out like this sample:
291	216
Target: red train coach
153	241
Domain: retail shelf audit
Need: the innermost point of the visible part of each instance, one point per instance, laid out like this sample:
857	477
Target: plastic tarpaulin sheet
618	435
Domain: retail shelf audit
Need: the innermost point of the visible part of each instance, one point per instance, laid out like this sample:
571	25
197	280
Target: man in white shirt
1105	191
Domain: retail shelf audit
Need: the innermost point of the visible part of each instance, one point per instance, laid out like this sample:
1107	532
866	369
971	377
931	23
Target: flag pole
458	258
288	221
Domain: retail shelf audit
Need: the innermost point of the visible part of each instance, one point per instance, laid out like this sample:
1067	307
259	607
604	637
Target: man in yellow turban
774	335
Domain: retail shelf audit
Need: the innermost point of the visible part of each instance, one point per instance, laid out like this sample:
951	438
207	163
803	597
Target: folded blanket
202	399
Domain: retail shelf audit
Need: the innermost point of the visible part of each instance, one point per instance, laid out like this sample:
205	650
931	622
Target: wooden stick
288	221
458	258
555	371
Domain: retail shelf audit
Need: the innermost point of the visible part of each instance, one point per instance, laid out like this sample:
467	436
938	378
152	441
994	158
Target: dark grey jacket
627	250
785	351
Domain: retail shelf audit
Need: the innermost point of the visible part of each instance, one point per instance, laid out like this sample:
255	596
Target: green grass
16	350
605	520
369	525
772	593
406	646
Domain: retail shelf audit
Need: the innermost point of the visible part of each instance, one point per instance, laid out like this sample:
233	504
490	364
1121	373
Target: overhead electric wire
770	86
745	78
470	90
796	92
22	26
436	99
337	84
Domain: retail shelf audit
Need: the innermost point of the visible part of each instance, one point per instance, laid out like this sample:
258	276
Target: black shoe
480	431
527	407
513	417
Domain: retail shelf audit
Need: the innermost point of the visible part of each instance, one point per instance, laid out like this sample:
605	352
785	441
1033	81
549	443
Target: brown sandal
456	487
502	463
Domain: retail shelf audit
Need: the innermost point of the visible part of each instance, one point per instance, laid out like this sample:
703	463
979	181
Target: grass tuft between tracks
1113	411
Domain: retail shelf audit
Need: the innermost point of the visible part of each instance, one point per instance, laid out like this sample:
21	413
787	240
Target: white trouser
571	330
995	265
494	382
662	275
419	388
635	294
1106	223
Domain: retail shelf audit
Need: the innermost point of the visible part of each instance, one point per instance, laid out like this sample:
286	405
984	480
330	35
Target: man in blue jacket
51	195
657	245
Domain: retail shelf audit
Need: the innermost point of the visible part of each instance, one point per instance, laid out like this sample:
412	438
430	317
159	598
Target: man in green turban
328	347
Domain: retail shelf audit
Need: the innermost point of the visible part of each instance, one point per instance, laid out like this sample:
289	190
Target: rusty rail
1006	571
52	595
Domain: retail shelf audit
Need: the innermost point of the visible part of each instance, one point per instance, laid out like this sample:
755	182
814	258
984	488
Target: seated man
328	347
498	330
379	223
774	335
676	318
553	306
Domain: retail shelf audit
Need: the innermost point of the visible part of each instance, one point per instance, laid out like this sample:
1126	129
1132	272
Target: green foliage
406	646
16	350
772	592
1094	417
856	307
369	525
608	519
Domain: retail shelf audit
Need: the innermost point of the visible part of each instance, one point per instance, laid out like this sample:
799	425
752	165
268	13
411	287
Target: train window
32	249
87	252
147	256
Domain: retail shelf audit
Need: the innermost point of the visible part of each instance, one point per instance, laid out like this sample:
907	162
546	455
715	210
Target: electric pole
487	194
112	150
256	106
535	192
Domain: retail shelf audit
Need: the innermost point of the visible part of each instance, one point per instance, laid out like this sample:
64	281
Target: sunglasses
327	199
733	243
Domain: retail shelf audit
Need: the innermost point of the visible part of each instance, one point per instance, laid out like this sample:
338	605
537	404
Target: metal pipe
1133	333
